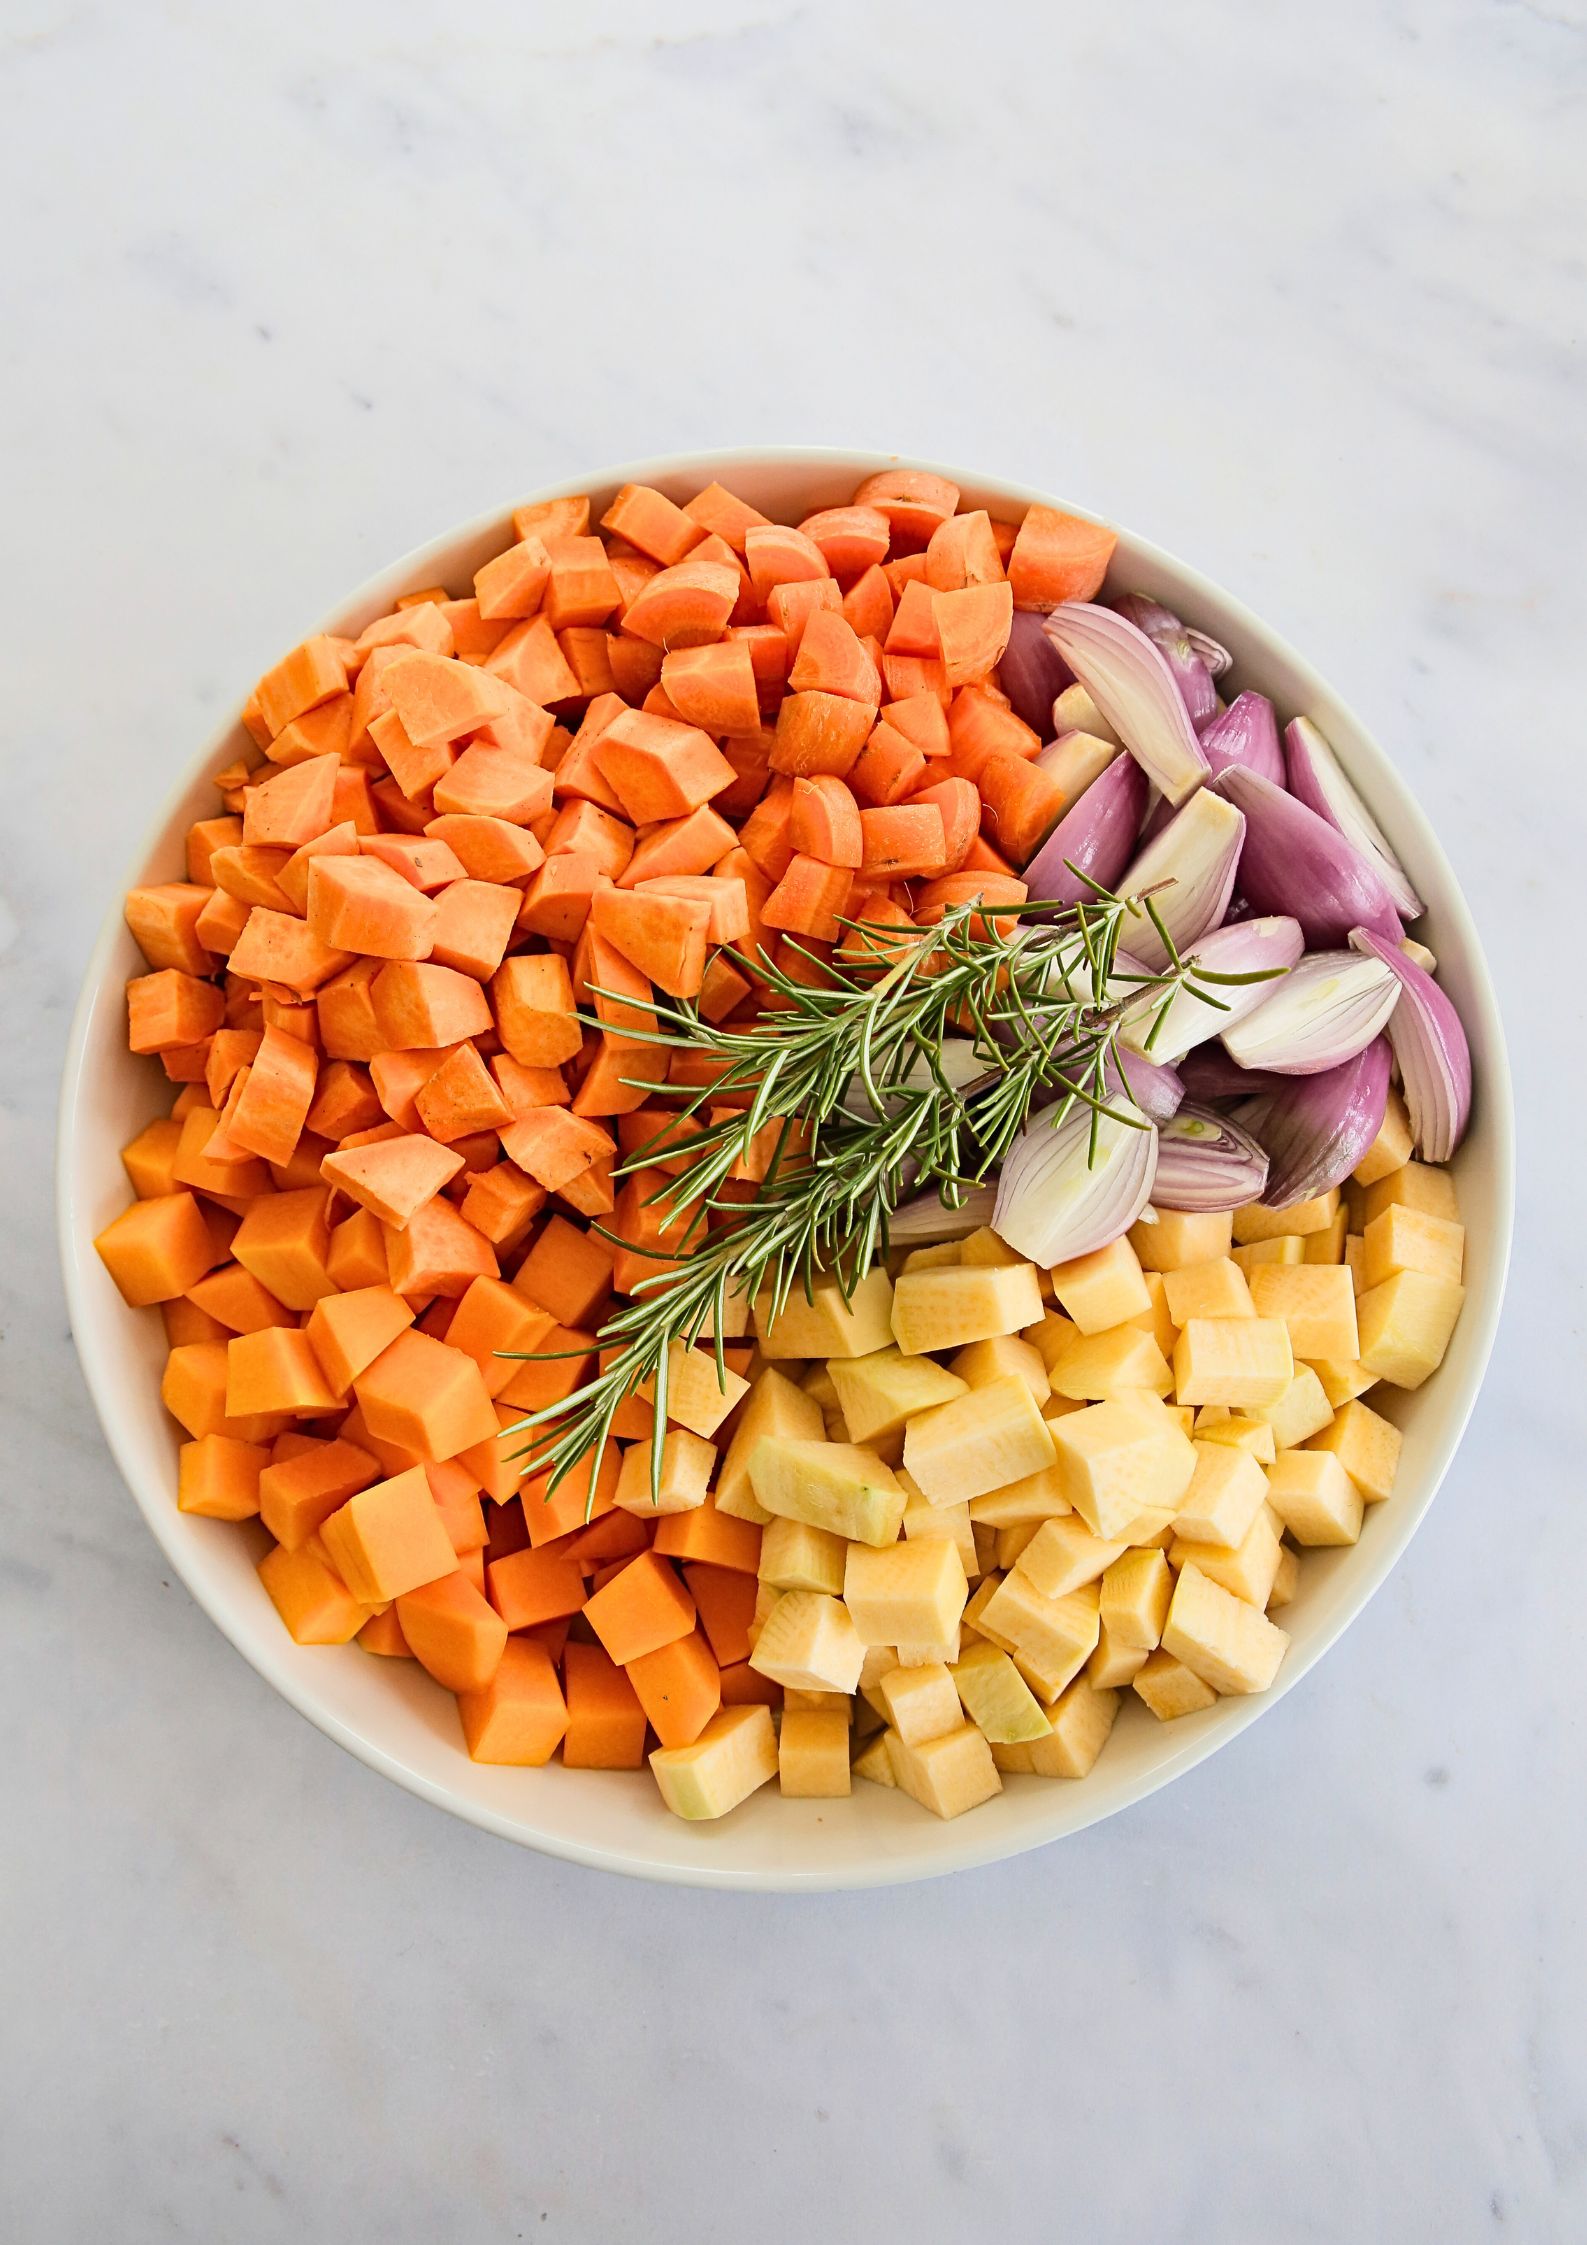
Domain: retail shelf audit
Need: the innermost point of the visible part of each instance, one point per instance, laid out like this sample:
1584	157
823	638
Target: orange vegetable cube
316	1608
520	1715
219	1477
156	1249
643	1607
426	1396
389	1538
453	1632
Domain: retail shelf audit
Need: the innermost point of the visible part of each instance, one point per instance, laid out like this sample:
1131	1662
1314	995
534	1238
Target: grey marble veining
1299	294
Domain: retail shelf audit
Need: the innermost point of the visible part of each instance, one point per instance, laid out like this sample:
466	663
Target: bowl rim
944	1847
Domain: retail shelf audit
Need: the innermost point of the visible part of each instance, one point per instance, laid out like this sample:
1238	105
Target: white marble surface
1296	292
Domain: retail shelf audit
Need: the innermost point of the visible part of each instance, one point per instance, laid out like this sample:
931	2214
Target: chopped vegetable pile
795	1147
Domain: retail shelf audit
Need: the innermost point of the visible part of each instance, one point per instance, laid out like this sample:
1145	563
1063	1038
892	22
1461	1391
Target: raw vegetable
1207	1161
1430	1046
1315	779
1130	682
1092	844
1327	1007
1295	862
1317	1129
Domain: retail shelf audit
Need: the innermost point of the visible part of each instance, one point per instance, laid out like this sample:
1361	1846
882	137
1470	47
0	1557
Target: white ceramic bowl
388	1712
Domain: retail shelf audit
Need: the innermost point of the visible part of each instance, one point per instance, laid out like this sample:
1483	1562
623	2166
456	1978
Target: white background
1296	292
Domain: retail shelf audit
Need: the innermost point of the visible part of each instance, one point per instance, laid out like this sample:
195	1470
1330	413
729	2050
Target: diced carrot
904	843
993	889
252	875
809	898
276	947
614	1082
963	551
491	782
913	501
585	648
652	523
533	1001
849	539
881	936
530	660
519	1717
776	554
1058	557
766	836
394	1178
723	990
724	1599
473	926
868	604
642	1608
832	661
769	656
980	724
342	840
663	936
461	1098
824	821
721	514
791	606
1023	803
422	624
724	897
713	685
530	1586
635	664
980	857
694	844
659	768
905	676
438	698
294	806
453	1633
913	630
973	625
683	606
889	767
679	1687
818	732
585	830
325	731
311	674
510	584
550	519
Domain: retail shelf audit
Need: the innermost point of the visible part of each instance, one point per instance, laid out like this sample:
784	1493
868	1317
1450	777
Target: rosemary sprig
914	1066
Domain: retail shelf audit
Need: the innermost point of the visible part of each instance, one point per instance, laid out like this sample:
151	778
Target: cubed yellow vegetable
1245	1569
810	1640
1315	1300
1418	1185
1303	1409
827	1325
1013	1760
841	1486
980	1441
1409	1239
1368	1447
921	1702
1103	1288
1012	1540
1327	1246
735	1753
1255	1222
687	1464
1227	1491
1235	1360
984	1249
1050	1638
875	1762
1118	1458
1079	1728
911	1591
776	1406
1135	1592
941	1256
1099	1366
1176	1239
1285	1581
1215	1289
1113	1665
1238	1430
996	1697
1289	1248
876	1394
1170	1689
1391	1149
794	1695
813	1754
1406	1325
1050	1337
698	1397
796	1556
1342	1382
1064	1554
1228	1644
922	1518
946	1309
1035	1496
970	1624
947	1775
1155	1318
1314	1497
1008	1357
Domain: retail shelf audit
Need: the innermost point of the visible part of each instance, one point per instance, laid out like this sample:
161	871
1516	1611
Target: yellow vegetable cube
1303	1409
1315	1300
1064	1554
980	1441
796	1556
1013	1760
1227	1491
1155	1318
1406	1324
1409	1239
1342	1382
1418	1185
922	1518
1080	1726
1255	1222
947	1775
920	1702
1314	1497
939	1257
1099	1366
1366	1445
1012	1540
875	1762
1237	1430
1050	1337
735	1753
945	1309
1113	1665
1286	1581
1228	1644
1008	1357
1289	1248
1208	1290
1175	1239
985	1249
996	1697
813	1754
1327	1246
827	1325
877	1394
1035	1496
1235	1360
911	1591
687	1464
841	1486
970	1623
1050	1639
1135	1593
697	1396
1119	1458
776	1406
1103	1288
1170	1689
1391	1149
794	1695
1354	1256
809	1640
1245	1569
